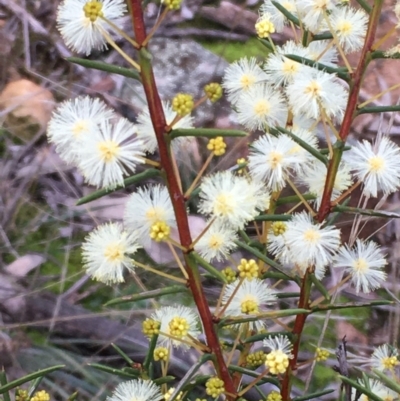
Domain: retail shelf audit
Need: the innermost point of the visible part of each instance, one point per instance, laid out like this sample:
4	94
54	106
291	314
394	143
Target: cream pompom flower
270	160
176	323
106	251
376	166
241	76
260	107
350	26
304	157
72	121
217	242
278	19
314	177
264	25
231	199
146	208
311	12
281	69
147	134
249	299
323	52
82	23
365	263
314	90
110	152
309	245
136	390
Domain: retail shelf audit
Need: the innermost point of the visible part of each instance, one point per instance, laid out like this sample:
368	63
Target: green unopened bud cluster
173	4
214	387
21	395
239	161
229	274
255	359
274	396
322	355
168	394
213	91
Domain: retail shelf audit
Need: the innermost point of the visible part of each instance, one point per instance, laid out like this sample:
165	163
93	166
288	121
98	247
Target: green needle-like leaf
150	352
366	212
294	199
387	381
34	386
207	132
313	395
365	6
303	144
340	72
3	382
262	336
379	109
251	373
320	287
174	289
323	36
264	258
360	388
122	353
163	380
149	173
209	268
286	13
28	378
273	217
188	376
99	65
113	371
265	315
350	305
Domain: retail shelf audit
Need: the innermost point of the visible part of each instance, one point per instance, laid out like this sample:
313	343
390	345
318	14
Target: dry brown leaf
24	104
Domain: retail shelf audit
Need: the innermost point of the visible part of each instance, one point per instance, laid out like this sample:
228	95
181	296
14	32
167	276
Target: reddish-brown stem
351	109
177	198
298	327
